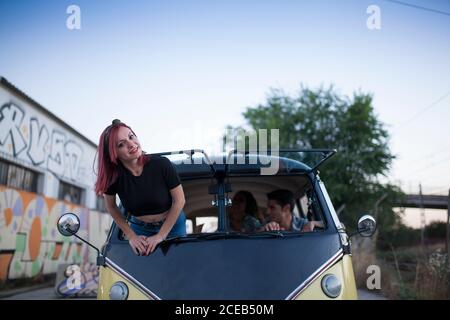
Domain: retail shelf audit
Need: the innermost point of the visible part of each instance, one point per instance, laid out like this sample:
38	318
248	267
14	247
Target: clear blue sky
179	71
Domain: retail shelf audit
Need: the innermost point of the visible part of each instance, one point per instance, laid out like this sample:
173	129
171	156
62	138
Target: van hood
224	269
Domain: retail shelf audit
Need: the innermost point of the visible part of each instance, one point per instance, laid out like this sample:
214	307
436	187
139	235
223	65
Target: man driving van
280	206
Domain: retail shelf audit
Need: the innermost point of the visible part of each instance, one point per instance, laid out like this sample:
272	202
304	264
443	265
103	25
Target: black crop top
148	193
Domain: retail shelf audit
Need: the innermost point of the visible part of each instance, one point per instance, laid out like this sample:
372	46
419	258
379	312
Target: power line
418	171
433	177
419	7
438	190
423	110
431	155
409	187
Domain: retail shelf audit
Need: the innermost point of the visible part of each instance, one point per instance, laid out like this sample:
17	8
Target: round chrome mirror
68	224
367	226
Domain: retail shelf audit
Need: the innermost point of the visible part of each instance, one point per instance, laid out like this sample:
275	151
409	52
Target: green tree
324	119
436	230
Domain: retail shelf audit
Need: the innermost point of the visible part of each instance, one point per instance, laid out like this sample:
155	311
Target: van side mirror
68	224
367	226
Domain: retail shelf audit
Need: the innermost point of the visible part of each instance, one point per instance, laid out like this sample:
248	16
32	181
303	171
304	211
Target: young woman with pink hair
148	187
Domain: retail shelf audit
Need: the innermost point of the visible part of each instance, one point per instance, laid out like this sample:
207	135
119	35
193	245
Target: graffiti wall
30	243
33	138
30	137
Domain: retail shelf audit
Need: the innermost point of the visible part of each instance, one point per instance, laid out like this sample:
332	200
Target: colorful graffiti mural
30	243
46	146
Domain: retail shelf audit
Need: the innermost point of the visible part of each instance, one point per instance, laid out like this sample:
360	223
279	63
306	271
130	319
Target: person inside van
280	206
243	213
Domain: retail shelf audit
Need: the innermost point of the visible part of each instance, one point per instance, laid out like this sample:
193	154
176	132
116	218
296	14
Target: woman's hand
138	244
152	242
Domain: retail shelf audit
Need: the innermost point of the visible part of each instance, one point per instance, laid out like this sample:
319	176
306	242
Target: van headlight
331	285
118	291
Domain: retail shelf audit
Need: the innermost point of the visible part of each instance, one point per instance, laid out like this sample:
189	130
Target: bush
434	277
436	230
399	236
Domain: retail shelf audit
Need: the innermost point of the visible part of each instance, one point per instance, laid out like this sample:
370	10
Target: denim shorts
147	229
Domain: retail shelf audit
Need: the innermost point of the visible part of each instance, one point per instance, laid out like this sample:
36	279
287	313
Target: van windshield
256	205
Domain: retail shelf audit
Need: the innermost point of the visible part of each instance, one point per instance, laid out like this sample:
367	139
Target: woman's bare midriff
153	217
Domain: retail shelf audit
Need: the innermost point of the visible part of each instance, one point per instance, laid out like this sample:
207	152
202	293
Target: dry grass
406	273
432	279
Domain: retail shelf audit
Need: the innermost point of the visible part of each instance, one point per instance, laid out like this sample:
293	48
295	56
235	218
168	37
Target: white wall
32	139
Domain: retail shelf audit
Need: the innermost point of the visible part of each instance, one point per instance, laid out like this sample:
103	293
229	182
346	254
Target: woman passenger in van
148	187
242	215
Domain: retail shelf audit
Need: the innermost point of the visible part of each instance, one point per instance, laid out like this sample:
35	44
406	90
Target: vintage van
213	262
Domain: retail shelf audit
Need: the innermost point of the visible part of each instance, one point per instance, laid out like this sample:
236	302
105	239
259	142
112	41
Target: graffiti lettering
56	157
38	141
48	148
73	156
11	117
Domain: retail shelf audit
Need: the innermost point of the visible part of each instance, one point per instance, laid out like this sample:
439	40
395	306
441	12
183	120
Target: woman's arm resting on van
137	243
178	202
311	225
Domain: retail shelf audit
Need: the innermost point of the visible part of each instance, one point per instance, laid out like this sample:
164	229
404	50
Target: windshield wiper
230	235
205	236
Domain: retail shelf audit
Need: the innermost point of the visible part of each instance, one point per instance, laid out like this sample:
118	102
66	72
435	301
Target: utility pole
375	215
422	217
447	247
377	204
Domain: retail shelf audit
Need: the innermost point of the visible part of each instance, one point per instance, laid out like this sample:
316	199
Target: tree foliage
324	119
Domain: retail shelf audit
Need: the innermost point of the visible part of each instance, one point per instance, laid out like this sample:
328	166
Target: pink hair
108	162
